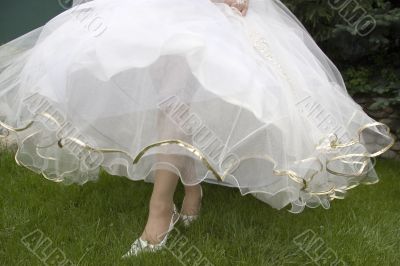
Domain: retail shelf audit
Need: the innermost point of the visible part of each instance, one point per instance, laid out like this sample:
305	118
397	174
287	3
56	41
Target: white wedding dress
191	86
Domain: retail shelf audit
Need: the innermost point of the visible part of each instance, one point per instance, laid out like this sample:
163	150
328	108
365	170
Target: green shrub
370	63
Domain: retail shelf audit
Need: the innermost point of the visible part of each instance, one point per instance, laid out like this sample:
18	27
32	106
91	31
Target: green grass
97	222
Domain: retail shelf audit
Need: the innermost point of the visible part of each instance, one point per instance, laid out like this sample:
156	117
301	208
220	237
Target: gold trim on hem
334	144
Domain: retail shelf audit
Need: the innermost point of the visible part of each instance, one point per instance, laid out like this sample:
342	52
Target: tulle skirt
192	87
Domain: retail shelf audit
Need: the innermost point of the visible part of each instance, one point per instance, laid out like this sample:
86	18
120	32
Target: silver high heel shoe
141	245
187	220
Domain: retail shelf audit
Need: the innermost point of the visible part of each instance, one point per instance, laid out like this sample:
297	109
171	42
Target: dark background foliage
370	64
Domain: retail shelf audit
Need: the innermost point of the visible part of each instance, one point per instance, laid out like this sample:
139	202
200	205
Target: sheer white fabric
78	2
251	100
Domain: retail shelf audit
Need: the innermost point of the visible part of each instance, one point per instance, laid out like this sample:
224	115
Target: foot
154	240
160	217
191	204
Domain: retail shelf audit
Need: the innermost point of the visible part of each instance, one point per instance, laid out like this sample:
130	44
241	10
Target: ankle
161	207
193	192
192	202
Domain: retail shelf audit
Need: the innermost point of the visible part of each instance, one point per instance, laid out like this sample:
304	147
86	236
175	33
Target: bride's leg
192	201
161	202
165	181
160	206
186	167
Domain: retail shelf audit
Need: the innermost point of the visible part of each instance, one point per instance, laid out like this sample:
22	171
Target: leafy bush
370	62
382	85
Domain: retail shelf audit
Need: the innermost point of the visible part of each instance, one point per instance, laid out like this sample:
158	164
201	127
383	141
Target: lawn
95	224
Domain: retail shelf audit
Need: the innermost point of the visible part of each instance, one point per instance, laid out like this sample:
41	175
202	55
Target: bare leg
165	182
161	202
192	201
161	206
